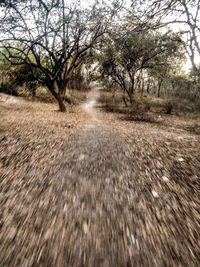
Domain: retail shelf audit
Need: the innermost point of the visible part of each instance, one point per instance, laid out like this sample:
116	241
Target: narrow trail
97	171
89	107
114	215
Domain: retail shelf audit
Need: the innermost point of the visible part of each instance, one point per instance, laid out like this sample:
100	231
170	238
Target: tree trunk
124	99
63	93
61	104
142	86
33	92
159	88
148	86
57	96
130	96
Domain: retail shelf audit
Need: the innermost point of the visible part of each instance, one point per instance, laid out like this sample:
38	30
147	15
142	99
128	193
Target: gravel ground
90	188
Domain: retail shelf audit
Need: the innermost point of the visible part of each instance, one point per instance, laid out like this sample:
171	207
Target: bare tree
52	37
186	13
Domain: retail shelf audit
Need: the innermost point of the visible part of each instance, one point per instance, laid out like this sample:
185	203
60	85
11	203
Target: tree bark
61	104
148	86
130	96
159	88
57	96
63	90
33	92
63	94
124	99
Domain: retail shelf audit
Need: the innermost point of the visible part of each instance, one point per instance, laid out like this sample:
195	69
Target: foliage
22	75
7	85
195	74
13	76
130	52
184	86
52	38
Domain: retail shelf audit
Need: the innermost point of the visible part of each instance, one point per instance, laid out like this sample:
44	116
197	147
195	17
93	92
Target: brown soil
93	188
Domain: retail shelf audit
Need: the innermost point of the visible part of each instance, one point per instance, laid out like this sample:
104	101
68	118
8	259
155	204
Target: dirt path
112	198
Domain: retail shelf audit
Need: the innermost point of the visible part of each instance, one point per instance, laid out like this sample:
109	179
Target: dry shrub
111	101
169	107
141	103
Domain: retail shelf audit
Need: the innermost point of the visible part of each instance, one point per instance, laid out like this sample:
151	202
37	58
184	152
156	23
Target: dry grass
142	104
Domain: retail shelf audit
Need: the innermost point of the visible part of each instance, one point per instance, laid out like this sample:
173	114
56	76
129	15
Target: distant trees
129	52
164	68
51	38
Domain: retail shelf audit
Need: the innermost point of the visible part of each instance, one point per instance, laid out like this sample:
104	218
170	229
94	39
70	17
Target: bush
169	107
9	88
141	103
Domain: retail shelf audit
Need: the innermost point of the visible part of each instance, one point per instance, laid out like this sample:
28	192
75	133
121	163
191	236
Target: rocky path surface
107	200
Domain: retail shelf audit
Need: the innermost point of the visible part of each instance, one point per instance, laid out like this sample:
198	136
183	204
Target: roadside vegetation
131	49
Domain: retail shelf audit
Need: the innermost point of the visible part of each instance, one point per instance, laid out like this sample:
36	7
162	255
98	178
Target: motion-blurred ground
90	188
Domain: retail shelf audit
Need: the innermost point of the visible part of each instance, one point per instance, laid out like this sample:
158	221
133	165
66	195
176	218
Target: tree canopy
130	52
51	37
